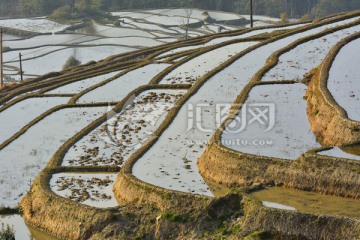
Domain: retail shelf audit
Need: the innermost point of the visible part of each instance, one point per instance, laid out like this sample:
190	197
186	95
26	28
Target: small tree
7	233
63	12
188	11
187	22
305	18
284	17
71	62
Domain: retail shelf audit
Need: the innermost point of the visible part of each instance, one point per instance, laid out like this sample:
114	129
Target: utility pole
21	70
251	14
1	58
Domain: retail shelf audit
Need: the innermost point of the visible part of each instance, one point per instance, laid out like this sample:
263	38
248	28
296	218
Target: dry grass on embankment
328	120
7	86
310	172
296	225
44	210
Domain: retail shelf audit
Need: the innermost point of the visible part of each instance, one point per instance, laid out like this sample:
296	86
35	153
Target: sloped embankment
295	225
310	172
328	120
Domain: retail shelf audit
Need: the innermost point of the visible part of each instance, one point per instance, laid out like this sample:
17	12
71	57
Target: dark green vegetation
7	233
297	8
66	9
71	62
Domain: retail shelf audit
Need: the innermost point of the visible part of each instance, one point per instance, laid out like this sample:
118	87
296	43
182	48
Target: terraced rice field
283	140
345	88
90	189
147	116
114	141
95	42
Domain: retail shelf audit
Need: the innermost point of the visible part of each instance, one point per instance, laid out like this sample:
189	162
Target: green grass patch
175	217
259	235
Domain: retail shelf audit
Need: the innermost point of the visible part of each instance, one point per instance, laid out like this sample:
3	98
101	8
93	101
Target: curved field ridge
92	41
189	72
93	189
11	121
230	38
328	120
294	65
283	140
117	89
38	25
339	153
114	141
30	153
344	79
80	86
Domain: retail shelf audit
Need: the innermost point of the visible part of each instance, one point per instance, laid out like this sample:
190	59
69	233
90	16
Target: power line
251	14
1	58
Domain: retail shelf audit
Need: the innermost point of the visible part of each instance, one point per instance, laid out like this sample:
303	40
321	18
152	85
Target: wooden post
21	70
251	14
1	58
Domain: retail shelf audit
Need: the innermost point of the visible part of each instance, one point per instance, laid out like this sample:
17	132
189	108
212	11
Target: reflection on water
310	202
7	37
89	28
39	235
291	199
278	206
23	231
353	150
217	189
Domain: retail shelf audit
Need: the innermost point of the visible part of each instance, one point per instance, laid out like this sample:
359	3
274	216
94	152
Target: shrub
284	17
305	18
259	235
71	62
117	23
174	217
7	233
63	12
